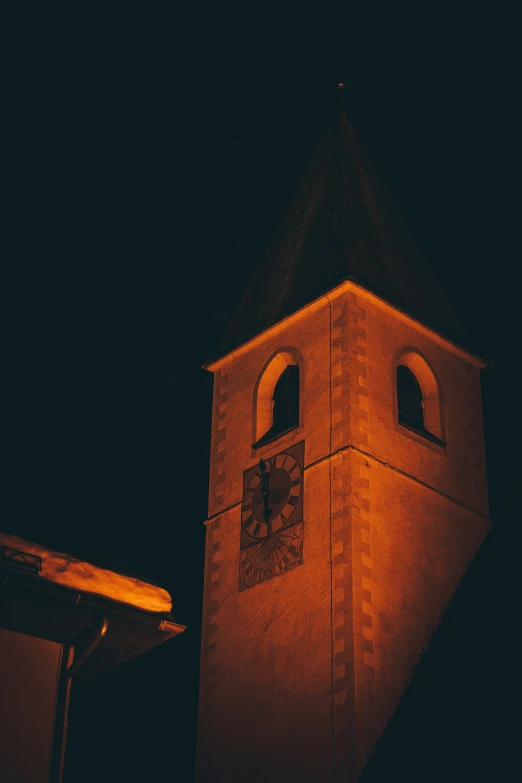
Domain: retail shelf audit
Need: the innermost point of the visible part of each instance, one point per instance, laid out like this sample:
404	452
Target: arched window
277	399
286	400
418	398
409	399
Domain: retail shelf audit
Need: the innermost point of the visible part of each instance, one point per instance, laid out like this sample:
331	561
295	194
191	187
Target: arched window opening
277	402
286	399
418	399
409	399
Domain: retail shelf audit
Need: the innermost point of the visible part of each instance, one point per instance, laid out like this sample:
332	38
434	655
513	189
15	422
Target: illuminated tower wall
301	673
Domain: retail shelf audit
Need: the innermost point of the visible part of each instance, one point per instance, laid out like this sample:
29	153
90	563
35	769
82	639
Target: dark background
153	152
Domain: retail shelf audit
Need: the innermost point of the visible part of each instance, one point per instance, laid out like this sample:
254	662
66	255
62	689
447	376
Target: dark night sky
154	153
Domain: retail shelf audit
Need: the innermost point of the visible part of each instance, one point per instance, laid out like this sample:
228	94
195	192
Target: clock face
272	517
284	483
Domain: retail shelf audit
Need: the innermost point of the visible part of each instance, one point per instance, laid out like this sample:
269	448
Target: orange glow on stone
84	577
390	522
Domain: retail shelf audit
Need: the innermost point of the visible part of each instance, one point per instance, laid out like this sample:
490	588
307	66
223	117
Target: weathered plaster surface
301	673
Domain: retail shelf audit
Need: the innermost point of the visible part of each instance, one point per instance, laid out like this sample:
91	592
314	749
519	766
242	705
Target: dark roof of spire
341	224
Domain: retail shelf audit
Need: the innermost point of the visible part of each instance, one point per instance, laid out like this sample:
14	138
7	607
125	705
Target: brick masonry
358	380
342	619
363	620
343	680
352	621
363	623
340	374
211	592
218	478
209	669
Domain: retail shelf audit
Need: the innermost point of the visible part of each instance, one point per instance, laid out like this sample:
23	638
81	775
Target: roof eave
216	361
37	607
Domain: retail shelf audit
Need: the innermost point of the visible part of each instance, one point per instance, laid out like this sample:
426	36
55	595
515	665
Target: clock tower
348	488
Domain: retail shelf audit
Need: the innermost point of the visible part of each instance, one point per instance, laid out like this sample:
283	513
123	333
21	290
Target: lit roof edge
66	570
477	361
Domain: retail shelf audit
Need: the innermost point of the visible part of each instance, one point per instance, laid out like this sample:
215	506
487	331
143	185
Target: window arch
418	398
277	398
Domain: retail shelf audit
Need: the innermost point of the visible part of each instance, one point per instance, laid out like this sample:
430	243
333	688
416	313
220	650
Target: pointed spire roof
342	224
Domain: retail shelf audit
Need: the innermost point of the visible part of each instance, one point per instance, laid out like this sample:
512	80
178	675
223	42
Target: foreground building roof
53	596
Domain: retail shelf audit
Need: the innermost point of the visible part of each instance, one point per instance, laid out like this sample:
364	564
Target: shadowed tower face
347	484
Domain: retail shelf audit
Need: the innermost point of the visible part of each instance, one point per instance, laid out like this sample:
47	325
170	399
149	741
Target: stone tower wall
301	673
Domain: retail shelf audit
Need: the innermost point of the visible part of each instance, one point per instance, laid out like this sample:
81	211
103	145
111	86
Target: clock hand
265	479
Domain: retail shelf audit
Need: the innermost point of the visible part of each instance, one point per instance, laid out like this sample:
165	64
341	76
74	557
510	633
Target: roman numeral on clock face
293	499
249	521
246	508
293	468
296	482
272	462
